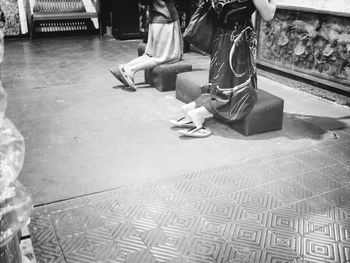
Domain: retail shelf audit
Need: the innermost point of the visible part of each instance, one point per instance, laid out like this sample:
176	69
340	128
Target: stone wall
11	12
337	6
308	43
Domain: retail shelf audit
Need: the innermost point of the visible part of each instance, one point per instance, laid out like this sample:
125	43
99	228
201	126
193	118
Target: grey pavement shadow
295	126
141	85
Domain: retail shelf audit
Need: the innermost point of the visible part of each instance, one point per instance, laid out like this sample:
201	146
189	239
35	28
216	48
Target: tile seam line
75	197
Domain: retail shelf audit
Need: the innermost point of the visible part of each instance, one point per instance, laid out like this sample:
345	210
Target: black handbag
201	29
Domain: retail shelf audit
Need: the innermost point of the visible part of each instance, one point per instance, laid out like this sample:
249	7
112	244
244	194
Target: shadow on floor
141	85
295	126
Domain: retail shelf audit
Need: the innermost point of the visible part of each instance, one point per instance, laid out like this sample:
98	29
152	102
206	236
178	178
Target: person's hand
266	8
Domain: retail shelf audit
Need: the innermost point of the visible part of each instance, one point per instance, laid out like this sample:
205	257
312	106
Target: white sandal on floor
182	123
127	78
200	132
116	73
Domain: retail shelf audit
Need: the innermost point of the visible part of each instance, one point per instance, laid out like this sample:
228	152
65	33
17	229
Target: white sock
187	108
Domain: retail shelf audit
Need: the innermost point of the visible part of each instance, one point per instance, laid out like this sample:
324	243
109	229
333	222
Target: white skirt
165	43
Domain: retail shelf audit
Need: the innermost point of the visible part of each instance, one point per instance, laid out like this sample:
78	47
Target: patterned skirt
164	42
231	92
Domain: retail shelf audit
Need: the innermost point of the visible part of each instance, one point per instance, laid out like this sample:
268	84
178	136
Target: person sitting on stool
164	45
231	92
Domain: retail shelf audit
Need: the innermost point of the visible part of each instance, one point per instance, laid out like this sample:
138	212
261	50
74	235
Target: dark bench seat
267	114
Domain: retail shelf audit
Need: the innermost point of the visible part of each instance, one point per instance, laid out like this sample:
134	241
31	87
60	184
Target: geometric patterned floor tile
316	159
183	221
317	208
317	182
242	253
248	233
87	217
73	243
257	200
204	217
284	243
166	253
337	152
284	220
344	251
197	188
104	206
141	256
233	180
344	229
106	252
201	249
291	166
98	236
153	237
131	244
276	256
83	255
65	223
151	215
223	210
326	233
48	253
338	172
179	202
250	176
340	198
287	191
122	230
212	228
320	250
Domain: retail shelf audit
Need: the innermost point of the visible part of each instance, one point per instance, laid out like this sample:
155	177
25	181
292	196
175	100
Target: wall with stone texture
342	6
308	38
11	12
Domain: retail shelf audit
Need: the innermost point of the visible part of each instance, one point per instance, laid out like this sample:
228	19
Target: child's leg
140	63
135	61
199	115
187	108
117	71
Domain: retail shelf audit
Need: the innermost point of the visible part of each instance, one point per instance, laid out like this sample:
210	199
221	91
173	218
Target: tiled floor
290	209
84	133
135	191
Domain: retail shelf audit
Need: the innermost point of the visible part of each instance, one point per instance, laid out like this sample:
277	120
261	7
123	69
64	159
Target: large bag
201	29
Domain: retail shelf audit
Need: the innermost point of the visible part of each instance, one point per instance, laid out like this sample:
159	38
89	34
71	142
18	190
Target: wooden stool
266	115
